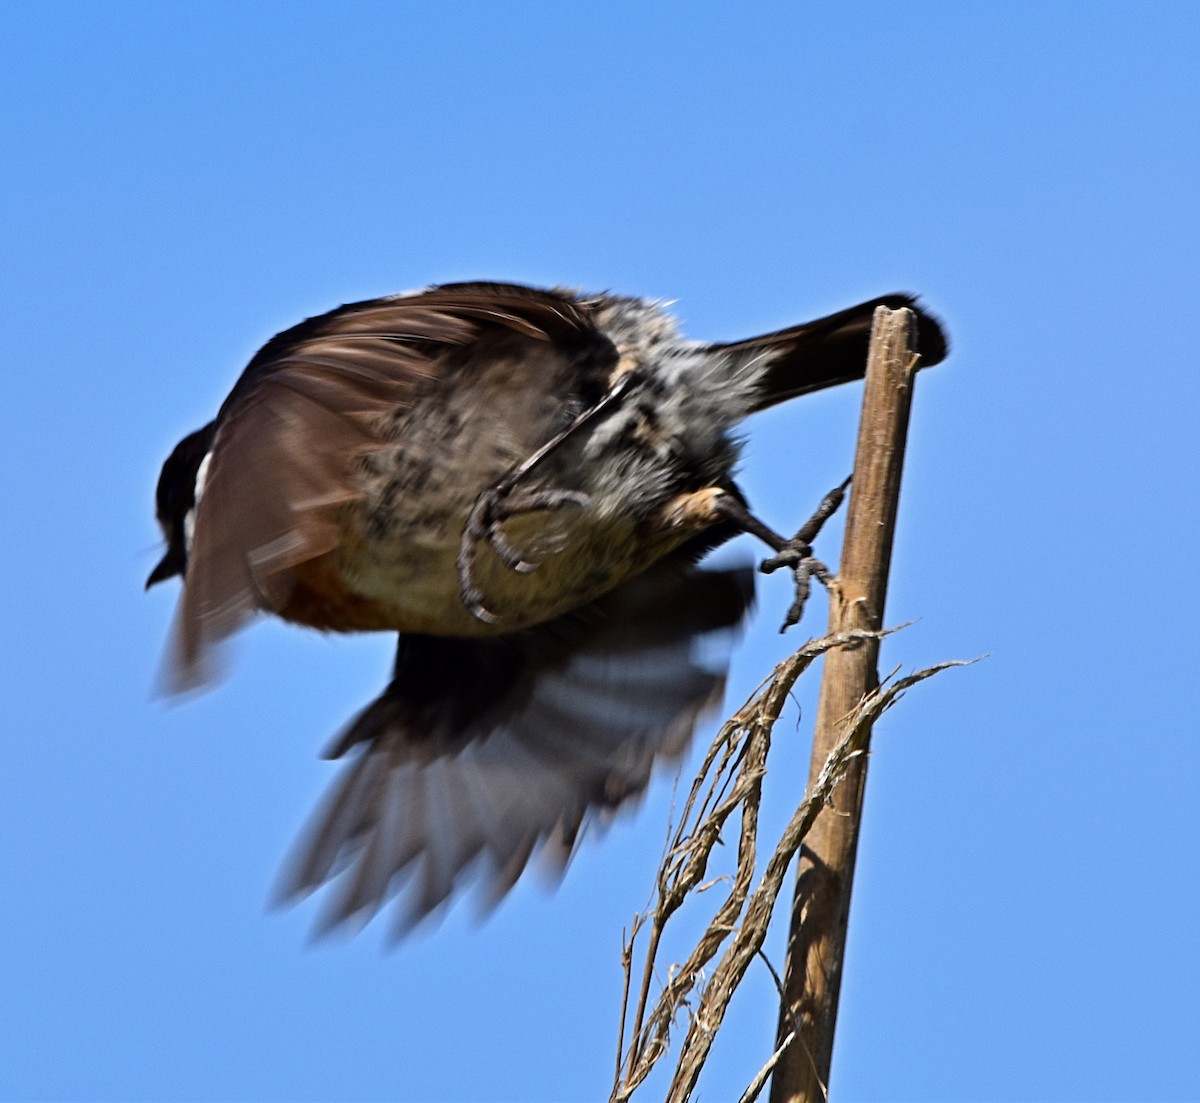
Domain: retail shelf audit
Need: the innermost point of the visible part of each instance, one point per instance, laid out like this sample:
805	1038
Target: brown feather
309	406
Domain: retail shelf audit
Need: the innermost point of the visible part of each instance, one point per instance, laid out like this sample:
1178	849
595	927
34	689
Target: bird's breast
407	577
398	565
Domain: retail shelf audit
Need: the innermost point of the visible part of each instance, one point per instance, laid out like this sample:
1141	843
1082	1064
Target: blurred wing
487	750
311	402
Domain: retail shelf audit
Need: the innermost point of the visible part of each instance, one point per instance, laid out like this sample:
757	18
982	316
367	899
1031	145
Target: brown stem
821	905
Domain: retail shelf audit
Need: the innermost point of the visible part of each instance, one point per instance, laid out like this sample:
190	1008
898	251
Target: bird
520	483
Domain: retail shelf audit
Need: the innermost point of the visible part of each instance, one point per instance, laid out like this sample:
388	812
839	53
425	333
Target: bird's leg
796	553
500	502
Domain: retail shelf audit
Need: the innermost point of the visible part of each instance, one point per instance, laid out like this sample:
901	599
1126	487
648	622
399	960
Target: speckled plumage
343	479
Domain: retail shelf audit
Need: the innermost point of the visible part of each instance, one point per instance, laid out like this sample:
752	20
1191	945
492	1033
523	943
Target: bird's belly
398	563
411	580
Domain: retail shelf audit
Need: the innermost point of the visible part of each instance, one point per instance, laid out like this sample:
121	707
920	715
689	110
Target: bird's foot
797	556
497	504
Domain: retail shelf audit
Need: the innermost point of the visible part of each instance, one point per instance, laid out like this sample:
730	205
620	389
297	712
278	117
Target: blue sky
181	182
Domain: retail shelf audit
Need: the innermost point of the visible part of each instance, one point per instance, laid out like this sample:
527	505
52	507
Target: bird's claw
492	508
797	556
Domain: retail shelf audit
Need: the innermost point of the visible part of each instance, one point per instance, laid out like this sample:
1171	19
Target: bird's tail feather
828	351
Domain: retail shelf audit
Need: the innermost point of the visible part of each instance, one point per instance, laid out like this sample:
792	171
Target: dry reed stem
730	778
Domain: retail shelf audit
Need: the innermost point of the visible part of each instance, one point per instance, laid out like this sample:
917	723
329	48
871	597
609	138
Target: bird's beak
169	566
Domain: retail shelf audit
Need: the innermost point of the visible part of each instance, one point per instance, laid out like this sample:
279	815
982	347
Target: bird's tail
828	351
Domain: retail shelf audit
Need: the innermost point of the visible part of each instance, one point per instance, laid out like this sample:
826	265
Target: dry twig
730	778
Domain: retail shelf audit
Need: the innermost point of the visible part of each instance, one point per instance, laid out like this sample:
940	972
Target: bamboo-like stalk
825	874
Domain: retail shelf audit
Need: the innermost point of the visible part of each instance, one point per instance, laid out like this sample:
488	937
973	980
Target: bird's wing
310	403
482	751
